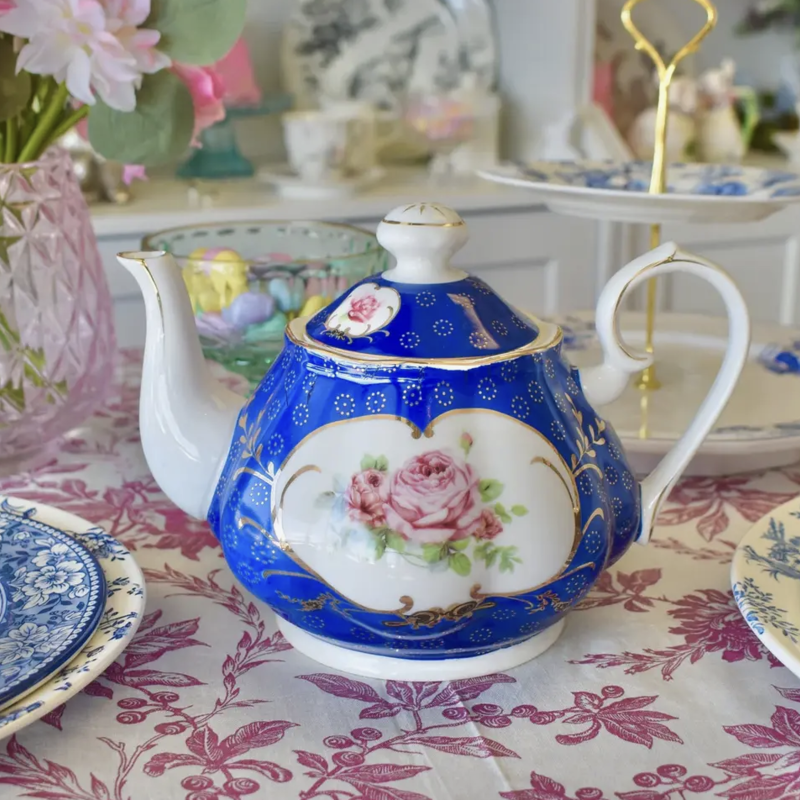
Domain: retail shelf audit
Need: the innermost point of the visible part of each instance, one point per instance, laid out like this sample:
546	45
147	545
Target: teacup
317	143
370	131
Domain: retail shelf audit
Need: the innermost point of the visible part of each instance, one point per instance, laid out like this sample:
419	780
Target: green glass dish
247	280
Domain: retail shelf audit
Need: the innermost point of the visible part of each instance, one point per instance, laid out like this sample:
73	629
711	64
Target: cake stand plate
618	192
759	429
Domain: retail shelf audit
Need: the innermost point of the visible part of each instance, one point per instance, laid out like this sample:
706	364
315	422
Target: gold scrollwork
252	450
586	444
433	616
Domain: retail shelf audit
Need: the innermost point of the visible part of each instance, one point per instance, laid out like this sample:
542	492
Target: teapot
420	487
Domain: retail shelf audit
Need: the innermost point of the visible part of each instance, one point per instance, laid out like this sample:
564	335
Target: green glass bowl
247	280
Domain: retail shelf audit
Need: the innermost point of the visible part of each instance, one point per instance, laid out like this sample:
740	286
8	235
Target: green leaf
197	32
519	511
368	462
431	553
491	557
395	542
501	512
15	89
380	548
460	564
382	464
459	544
490	490
158	131
465	443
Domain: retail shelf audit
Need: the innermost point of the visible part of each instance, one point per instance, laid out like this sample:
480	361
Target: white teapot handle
606	382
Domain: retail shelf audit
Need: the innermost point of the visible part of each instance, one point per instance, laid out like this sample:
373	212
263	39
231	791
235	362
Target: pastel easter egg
271	329
248	309
279	289
223	254
315	303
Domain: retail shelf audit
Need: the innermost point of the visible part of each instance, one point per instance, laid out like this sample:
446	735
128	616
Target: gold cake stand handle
666	72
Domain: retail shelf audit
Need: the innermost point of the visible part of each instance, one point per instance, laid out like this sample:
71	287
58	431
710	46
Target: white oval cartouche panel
380	514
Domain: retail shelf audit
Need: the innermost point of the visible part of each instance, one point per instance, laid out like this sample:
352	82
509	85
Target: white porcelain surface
696	193
291	185
766	582
124	610
760	426
403	669
188	417
607	382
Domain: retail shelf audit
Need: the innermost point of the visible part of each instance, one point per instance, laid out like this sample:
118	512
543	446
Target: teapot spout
186	417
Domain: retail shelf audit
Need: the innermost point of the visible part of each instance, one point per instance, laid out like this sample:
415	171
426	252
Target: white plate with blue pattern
696	193
121	614
52	594
760	426
765	576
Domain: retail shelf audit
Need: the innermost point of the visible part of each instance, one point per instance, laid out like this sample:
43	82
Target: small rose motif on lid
365	311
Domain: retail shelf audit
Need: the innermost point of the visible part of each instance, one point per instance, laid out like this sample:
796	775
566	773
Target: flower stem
34	146
12	129
67	124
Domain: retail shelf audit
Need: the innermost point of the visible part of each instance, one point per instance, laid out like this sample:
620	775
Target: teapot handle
605	383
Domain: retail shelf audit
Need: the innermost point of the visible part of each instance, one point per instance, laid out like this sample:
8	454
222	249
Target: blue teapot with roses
420	487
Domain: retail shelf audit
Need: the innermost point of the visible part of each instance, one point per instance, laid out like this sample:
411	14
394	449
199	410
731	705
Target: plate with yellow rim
760	427
121	615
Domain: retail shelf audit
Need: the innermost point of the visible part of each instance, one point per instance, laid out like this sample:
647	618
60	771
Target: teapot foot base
368	665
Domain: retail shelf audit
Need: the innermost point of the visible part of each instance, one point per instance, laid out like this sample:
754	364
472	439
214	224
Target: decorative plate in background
696	193
121	615
760	427
378	50
52	594
765	575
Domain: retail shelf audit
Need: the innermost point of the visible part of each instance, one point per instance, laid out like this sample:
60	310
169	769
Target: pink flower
133	172
6	6
96	48
488	525
207	92
363	308
124	20
366	495
236	72
711	620
433	498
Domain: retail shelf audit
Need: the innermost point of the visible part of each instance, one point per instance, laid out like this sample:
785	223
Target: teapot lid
423	308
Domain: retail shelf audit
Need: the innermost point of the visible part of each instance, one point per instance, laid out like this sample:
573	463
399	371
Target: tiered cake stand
761	425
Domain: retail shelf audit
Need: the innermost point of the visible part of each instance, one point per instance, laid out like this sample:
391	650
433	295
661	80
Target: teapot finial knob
423	237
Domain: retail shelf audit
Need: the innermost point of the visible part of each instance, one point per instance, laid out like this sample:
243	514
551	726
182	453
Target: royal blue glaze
461	319
305	390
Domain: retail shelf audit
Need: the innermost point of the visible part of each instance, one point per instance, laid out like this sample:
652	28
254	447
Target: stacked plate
71	599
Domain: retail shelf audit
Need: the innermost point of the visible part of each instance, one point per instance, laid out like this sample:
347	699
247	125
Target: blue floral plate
696	193
119	615
52	594
766	582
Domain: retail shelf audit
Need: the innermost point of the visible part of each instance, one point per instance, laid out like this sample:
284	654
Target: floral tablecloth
656	691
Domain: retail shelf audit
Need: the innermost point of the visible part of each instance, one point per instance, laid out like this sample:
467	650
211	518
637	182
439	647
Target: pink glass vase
57	340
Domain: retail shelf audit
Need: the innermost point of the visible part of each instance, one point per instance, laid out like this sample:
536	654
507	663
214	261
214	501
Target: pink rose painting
366	495
363	308
367	310
435	510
